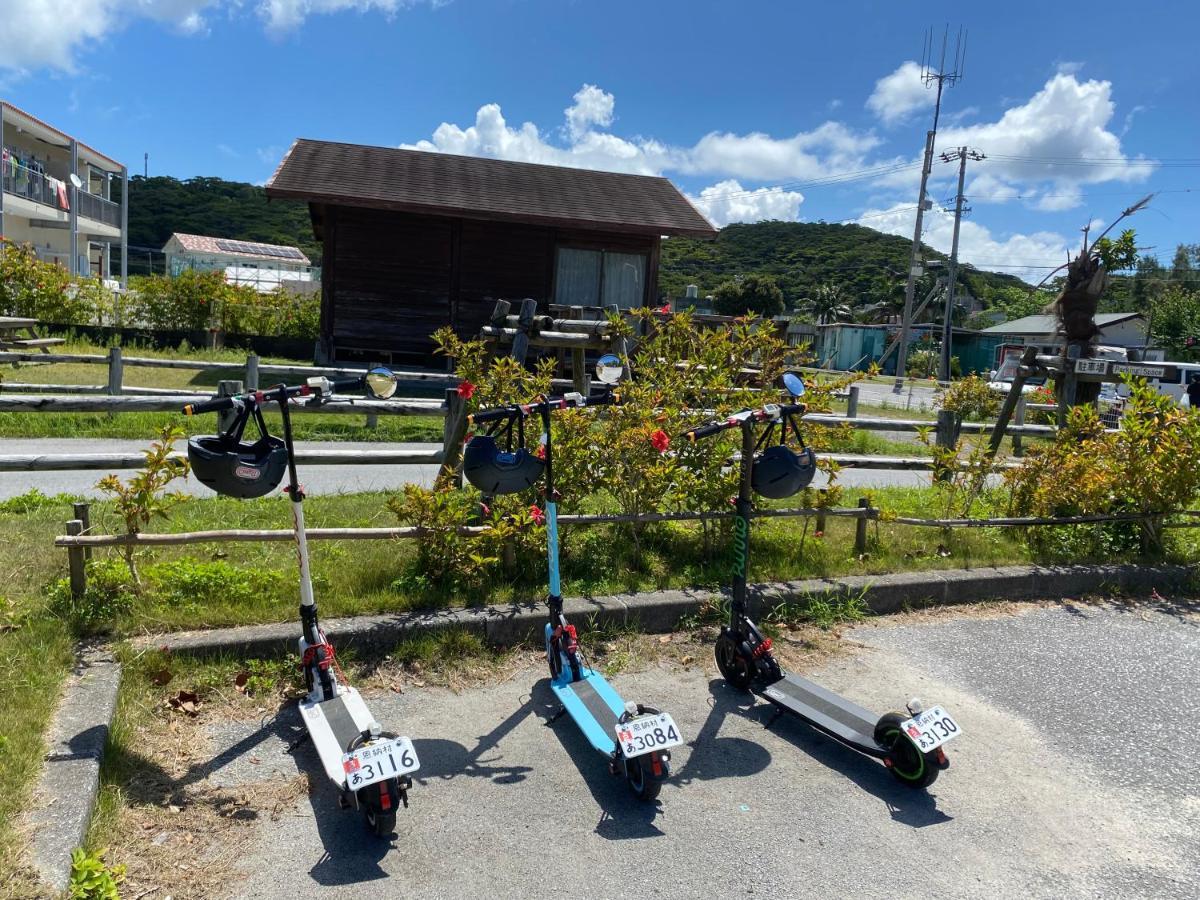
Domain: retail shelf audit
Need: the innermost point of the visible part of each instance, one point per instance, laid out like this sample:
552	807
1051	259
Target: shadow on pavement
915	808
722	757
352	854
443	759
622	817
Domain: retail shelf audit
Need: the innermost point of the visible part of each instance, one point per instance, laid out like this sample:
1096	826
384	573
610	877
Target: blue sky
755	109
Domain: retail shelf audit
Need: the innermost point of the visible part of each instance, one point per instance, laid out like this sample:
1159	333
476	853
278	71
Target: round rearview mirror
794	383
381	383
609	368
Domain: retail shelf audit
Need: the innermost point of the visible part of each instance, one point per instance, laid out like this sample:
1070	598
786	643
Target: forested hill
160	206
868	265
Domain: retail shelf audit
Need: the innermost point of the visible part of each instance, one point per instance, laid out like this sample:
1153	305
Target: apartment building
57	197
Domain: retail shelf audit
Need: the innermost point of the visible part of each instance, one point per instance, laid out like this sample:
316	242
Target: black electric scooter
909	744
369	767
635	739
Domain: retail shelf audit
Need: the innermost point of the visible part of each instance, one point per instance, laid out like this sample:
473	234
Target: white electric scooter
370	767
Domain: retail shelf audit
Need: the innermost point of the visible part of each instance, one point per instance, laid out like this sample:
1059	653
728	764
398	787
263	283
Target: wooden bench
37	342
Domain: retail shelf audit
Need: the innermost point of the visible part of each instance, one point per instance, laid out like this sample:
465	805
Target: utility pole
962	154
942	79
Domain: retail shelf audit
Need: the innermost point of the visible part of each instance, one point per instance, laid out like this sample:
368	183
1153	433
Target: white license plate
647	733
931	729
384	759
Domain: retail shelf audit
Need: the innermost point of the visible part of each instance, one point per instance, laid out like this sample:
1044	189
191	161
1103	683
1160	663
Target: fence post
824	492
75	561
860	527
579	377
252	372
852	403
115	371
947	433
227	389
453	432
1019	419
83	514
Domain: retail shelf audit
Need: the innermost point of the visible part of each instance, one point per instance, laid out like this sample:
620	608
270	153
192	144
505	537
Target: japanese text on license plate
644	734
930	729
378	761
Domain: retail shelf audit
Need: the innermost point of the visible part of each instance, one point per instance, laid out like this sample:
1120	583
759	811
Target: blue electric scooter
634	738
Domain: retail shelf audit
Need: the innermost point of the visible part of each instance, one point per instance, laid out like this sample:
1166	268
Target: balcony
98	208
22	181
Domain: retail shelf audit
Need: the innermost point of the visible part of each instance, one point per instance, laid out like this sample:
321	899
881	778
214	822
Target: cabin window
600	278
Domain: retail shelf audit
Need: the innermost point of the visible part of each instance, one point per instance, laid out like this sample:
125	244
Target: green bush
44	291
970	398
192	583
92	878
110	594
754	294
31	501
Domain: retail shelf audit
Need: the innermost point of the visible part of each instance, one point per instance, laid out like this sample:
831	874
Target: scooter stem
744	507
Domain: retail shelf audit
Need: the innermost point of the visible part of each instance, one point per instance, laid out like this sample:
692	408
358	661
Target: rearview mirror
794	383
609	368
381	383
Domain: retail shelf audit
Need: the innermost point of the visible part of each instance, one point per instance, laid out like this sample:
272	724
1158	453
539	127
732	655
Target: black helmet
236	469
495	471
780	472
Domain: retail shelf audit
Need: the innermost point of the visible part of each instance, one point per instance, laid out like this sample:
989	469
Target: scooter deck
333	725
836	716
594	706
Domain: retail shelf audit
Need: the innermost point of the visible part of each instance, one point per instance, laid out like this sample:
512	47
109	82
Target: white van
1176	387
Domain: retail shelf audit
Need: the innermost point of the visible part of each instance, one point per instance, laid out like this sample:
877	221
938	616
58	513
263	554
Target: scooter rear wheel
735	668
382	824
643	788
909	765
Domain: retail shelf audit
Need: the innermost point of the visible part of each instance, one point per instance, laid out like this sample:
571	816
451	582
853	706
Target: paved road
914	397
317	479
1076	776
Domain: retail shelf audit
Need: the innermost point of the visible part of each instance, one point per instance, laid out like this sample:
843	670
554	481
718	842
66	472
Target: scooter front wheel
735	668
909	765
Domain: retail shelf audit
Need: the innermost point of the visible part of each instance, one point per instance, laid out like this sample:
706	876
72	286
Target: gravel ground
1075	777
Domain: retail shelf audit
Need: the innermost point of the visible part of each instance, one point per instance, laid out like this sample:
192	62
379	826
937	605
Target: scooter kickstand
558	715
775	716
298	742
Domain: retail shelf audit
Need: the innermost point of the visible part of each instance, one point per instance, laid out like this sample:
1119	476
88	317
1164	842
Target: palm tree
828	304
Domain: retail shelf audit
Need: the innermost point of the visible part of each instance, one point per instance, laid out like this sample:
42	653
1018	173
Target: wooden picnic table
20	333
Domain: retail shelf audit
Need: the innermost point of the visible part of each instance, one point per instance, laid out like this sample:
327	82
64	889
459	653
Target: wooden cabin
414	241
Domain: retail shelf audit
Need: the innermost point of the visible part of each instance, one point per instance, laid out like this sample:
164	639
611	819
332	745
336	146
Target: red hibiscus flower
665	309
535	513
466	390
661	440
540	452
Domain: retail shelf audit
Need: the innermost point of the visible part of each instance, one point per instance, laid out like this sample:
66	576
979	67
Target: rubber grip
194	409
490	415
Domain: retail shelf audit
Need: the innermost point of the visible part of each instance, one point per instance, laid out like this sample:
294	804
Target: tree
828	304
1181	265
1175	321
754	293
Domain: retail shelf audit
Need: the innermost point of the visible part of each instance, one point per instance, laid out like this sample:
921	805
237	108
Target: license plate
931	729
378	761
647	733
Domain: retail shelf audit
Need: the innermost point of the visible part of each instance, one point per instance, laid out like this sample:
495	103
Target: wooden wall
389	280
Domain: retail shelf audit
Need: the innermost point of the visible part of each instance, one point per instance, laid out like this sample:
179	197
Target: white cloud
898	95
592	106
727	201
1063	133
829	149
226	150
51	33
1024	255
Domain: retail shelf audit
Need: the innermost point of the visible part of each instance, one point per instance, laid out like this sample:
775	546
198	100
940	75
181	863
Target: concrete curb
70	781
661	611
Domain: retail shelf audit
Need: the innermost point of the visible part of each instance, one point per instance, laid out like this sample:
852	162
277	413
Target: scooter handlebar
569	401
746	415
220	403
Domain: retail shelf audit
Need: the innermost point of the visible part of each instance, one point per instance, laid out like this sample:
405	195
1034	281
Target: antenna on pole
942	78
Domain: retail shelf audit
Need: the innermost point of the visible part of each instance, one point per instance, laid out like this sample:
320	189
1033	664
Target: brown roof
199	243
59	132
474	187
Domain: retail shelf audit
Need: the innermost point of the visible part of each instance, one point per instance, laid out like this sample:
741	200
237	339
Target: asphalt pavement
1075	776
323	479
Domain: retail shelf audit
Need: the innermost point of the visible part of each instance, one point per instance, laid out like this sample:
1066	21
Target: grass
141	425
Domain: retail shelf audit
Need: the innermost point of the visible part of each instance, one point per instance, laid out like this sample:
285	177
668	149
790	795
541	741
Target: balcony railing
99	209
23	181
32	185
